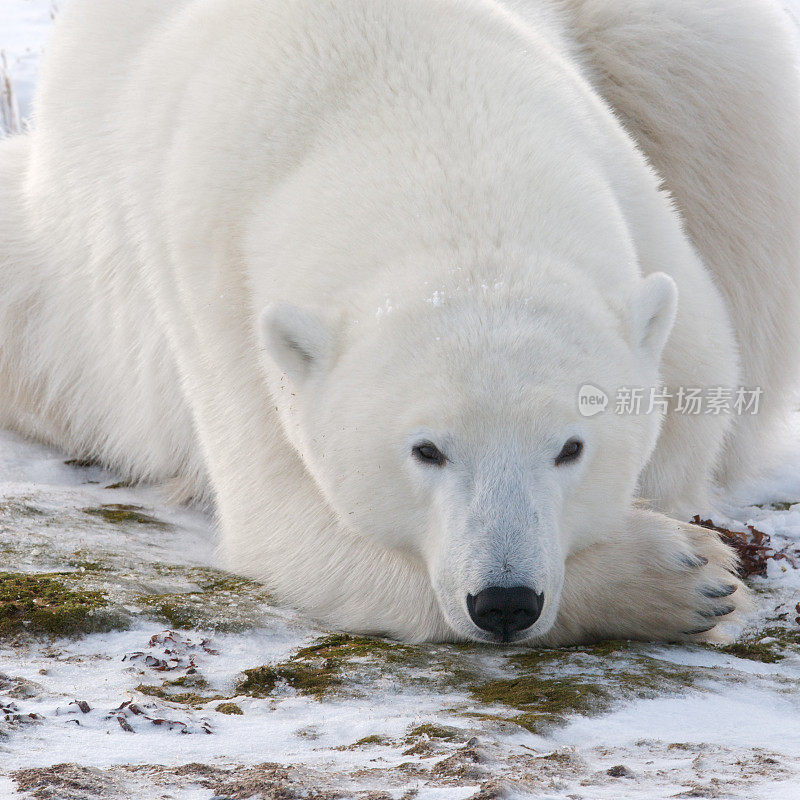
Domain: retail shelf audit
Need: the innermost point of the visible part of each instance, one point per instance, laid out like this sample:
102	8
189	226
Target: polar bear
343	266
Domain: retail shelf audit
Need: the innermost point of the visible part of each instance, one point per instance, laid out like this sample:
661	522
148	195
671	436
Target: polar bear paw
705	593
656	579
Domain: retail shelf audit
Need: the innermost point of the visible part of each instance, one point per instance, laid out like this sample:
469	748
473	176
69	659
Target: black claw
700	630
725	590
719	611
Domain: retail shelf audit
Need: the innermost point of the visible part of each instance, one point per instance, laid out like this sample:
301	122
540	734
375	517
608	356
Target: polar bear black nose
504	611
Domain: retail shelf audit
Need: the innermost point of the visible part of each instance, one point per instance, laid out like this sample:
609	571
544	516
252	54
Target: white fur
259	249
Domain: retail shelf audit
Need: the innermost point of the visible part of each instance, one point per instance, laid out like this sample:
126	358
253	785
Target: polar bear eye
571	451
428	453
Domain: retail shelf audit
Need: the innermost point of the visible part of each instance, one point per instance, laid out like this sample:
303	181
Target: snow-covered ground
349	716
149	697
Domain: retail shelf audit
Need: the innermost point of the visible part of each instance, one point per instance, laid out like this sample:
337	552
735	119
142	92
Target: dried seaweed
754	548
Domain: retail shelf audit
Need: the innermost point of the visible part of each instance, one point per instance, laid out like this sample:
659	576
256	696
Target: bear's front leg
657	579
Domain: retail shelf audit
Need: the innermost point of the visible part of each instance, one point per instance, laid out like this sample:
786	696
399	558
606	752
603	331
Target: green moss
44	604
32	511
87	566
539	687
170	691
12	509
768	646
167	692
214	600
541	657
177	614
543	701
535	659
785	637
192	610
426	739
421	748
303	678
221	582
316	669
605	649
777	506
372	739
754	651
192	699
342	646
228	708
432	731
195	681
546	686
119	514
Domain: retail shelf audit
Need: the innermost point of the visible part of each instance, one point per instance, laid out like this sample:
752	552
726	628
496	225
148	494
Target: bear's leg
20	297
710	91
656	579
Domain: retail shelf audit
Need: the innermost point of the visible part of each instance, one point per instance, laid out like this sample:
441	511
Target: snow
24	25
709	724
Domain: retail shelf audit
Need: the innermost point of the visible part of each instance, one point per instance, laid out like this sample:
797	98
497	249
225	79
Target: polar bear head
449	428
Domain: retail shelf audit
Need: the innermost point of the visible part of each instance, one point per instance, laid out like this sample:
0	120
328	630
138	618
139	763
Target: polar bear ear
299	340
652	311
